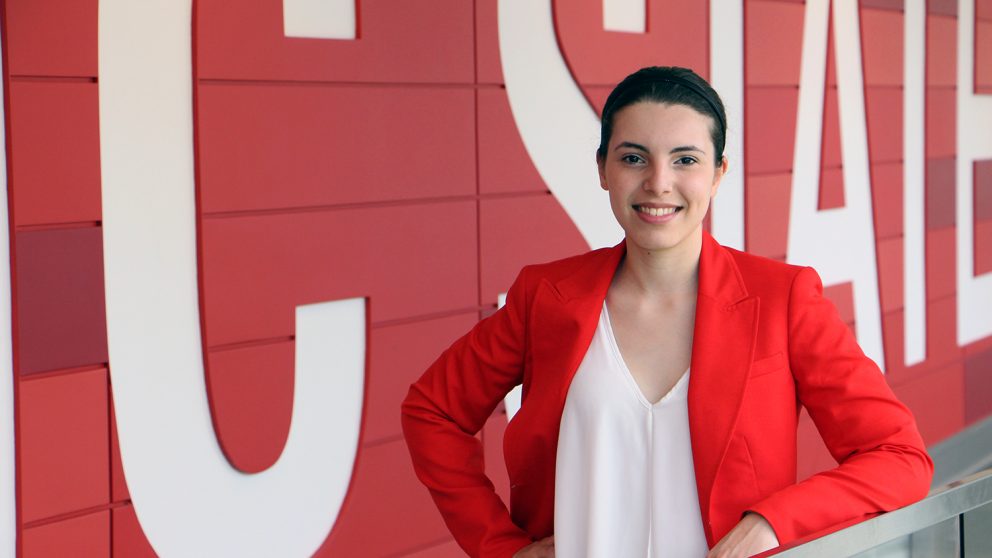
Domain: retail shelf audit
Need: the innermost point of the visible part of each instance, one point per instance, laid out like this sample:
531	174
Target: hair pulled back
668	85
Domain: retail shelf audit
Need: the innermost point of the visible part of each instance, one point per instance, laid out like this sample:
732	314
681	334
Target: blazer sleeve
447	407
882	461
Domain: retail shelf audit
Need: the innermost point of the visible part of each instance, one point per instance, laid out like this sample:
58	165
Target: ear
721	170
601	164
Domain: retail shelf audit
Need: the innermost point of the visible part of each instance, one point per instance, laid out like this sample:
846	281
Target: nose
657	180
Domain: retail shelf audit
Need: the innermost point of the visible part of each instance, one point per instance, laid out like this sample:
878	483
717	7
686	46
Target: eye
686	160
632	159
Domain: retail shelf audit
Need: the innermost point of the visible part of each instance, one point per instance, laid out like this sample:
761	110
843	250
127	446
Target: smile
656	211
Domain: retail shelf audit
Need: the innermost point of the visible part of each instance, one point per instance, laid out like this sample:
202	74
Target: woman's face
661	173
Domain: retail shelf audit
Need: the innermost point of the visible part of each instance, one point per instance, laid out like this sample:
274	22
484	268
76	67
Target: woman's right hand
544	548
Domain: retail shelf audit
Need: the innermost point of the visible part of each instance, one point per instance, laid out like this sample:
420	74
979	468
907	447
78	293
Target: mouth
657	211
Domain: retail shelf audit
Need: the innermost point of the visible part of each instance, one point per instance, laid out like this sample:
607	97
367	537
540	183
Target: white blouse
624	484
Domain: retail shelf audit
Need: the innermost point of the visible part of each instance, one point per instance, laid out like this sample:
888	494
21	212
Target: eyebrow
679	149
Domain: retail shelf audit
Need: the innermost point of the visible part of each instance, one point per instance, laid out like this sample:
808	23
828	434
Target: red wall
391	168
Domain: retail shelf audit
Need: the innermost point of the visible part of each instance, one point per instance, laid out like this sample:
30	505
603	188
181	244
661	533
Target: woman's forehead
662	124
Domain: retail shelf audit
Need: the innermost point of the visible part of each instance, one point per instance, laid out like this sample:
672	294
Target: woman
662	378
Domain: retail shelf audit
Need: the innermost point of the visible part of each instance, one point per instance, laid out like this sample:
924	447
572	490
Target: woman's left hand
752	535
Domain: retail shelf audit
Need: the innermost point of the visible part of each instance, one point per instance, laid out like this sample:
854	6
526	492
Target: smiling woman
662	378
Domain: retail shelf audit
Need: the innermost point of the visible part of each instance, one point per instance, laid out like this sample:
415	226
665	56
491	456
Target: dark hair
669	85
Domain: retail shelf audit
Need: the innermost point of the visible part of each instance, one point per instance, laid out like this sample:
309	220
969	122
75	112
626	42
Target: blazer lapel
722	351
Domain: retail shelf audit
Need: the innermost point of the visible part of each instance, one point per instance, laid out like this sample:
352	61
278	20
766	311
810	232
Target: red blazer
765	343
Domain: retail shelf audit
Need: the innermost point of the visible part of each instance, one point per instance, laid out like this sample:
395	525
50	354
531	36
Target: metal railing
953	521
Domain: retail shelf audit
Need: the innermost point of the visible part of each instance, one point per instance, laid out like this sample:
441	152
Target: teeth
657	211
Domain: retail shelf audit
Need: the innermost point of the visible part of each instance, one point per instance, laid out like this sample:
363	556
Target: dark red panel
983	247
941	139
982	182
64	448
978	386
842	295
509	227
767	200
400	354
411	259
942	341
943	7
941	247
251	398
51	37
831	188
384	492
504	165
983	57
128	539
118	485
812	454
890	273
937	400
942	45
416	41
895	5
773	40
894	340
271	146
87	535
55	152
59	293
887	200
770	121
882	46
983	10
830	148
941	193
677	35
488	65
884	114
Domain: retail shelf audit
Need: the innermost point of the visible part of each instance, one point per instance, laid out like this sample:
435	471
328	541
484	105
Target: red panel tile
400	354
51	37
773	40
831	188
55	152
271	146
882	46
943	7
504	164
942	342
894	5
597	95
884	114
978	386
418	41
128	539
488	65
88	536
64	459
842	295
890	273
831	153
941	192
983	247
508	228
941	247
983	10
887	199
251	398
59	294
770	128
411	259
937	401
983	57
676	36
118	484
982	183
893	338
767	200
942	44
941	140
384	492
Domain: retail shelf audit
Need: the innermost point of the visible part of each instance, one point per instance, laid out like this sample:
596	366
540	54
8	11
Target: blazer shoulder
761	274
567	267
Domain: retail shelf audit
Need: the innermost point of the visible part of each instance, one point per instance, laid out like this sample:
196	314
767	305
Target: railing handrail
943	503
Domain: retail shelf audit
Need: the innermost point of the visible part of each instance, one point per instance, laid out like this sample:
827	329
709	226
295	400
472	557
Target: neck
674	271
